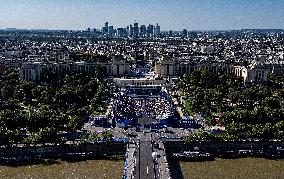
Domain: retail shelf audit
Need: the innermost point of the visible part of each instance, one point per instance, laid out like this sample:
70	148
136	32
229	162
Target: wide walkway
141	161
163	171
145	161
130	161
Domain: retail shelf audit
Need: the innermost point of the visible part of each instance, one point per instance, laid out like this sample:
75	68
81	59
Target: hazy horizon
171	15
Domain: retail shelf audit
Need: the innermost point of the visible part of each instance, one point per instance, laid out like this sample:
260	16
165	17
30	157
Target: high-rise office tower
105	28
110	31
150	31
157	30
120	32
130	31
170	33
143	31
184	33
127	31
95	32
135	30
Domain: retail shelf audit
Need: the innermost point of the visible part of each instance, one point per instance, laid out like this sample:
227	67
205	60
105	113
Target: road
145	164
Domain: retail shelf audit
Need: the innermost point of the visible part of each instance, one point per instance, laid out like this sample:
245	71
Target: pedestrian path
146	165
130	161
146	158
163	167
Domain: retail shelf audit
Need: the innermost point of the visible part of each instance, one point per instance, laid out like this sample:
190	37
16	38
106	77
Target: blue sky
171	14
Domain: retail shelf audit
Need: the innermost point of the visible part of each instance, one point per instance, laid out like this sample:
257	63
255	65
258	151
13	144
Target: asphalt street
145	163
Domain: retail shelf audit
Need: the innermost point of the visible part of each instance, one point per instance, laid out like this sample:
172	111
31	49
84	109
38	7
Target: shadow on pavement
175	169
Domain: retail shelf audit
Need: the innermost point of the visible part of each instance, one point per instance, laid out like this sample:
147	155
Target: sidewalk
130	161
163	167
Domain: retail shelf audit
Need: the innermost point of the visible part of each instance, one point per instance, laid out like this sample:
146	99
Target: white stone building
170	67
258	71
254	73
33	70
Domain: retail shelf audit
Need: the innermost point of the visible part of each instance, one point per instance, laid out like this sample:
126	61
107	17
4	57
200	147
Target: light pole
139	157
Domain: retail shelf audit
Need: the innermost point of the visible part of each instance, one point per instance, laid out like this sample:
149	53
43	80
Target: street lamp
139	157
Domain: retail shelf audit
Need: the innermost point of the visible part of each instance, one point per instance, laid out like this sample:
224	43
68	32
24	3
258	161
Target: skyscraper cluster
133	31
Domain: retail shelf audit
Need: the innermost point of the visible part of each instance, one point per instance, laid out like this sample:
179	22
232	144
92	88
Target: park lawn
110	169
243	168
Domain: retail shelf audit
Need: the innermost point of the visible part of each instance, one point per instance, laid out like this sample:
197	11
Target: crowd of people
139	106
156	107
124	107
131	107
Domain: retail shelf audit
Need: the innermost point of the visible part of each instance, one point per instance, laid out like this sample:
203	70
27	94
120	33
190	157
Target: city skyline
171	15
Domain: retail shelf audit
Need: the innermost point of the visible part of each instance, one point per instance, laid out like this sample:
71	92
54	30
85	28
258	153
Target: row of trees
34	112
247	111
105	136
